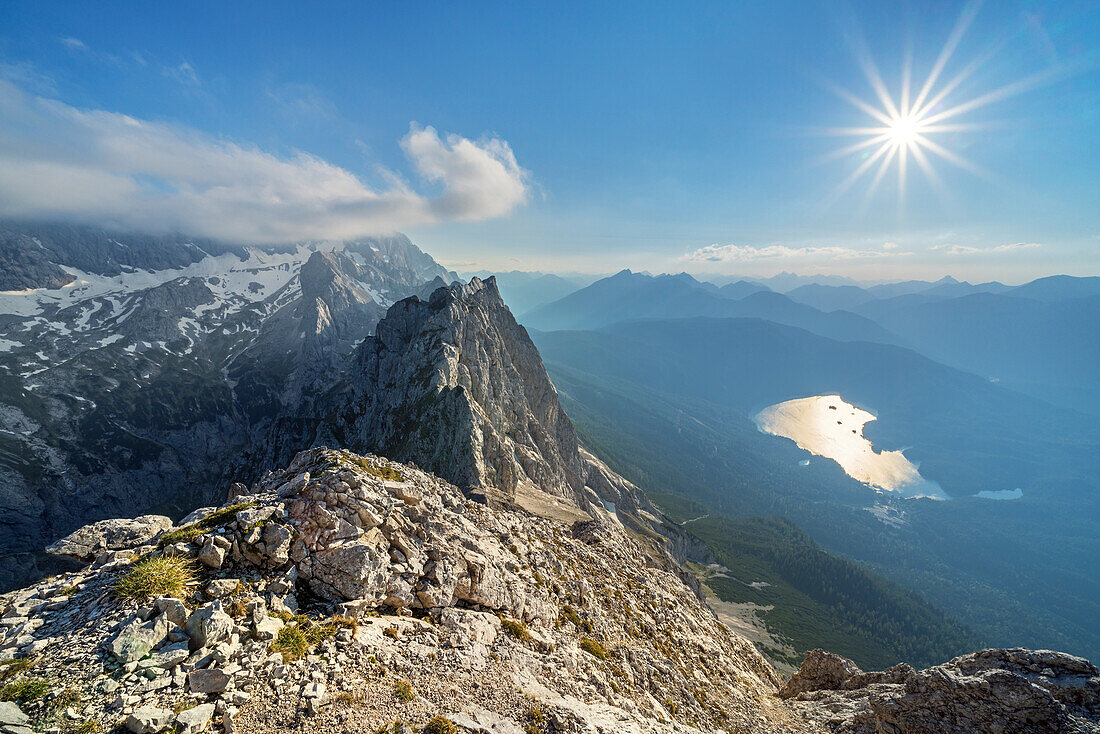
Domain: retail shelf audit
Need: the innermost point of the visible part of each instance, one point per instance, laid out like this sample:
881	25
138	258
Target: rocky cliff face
455	384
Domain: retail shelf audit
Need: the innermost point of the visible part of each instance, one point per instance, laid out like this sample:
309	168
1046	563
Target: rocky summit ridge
350	593
409	600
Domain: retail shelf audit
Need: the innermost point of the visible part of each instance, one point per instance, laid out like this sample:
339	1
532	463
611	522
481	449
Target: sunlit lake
827	426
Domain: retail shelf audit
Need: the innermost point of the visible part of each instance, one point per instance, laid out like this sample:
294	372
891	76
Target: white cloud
968	250
113	169
749	254
832	253
73	43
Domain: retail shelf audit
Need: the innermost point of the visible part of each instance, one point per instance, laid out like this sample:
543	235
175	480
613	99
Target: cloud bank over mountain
103	167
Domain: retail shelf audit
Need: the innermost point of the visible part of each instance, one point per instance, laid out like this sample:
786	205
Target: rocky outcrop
354	592
23	264
820	670
107	535
455	384
1009	691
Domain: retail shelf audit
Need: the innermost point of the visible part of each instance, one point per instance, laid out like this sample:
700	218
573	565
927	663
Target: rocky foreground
1013	690
347	593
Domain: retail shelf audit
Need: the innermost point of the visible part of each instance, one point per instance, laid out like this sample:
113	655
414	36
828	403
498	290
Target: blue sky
590	137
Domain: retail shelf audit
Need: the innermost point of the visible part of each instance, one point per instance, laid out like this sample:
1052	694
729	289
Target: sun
904	130
912	123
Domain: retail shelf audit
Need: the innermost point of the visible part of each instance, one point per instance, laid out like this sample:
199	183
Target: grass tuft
155	576
291	642
571	614
215	519
382	472
534	719
404	691
24	691
439	725
301	634
594	648
8	668
85	727
516	628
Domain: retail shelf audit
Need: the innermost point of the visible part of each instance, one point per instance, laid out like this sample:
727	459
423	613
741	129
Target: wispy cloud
27	76
105	167
751	254
183	73
73	43
814	254
297	100
951	249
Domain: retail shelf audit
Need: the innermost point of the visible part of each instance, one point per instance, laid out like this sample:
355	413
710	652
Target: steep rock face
49	247
455	384
23	264
1011	691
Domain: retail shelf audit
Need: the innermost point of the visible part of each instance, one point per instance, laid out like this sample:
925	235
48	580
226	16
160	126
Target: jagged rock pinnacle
455	384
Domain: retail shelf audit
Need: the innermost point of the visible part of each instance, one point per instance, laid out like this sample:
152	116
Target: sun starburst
907	126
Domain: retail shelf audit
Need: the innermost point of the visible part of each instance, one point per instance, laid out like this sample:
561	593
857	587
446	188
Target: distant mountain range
523	291
1035	338
630	295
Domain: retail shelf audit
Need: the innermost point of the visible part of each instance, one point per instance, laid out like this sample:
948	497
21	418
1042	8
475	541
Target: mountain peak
455	384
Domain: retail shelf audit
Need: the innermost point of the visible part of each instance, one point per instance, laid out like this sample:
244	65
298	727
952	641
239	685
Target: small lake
827	426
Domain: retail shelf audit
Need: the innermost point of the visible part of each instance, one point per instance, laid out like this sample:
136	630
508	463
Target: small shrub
390	632
345	622
156	576
516	628
535	720
404	691
24	691
70	590
8	668
65	698
186	534
85	727
594	648
382	472
345	697
237	608
291	642
439	725
215	519
571	614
